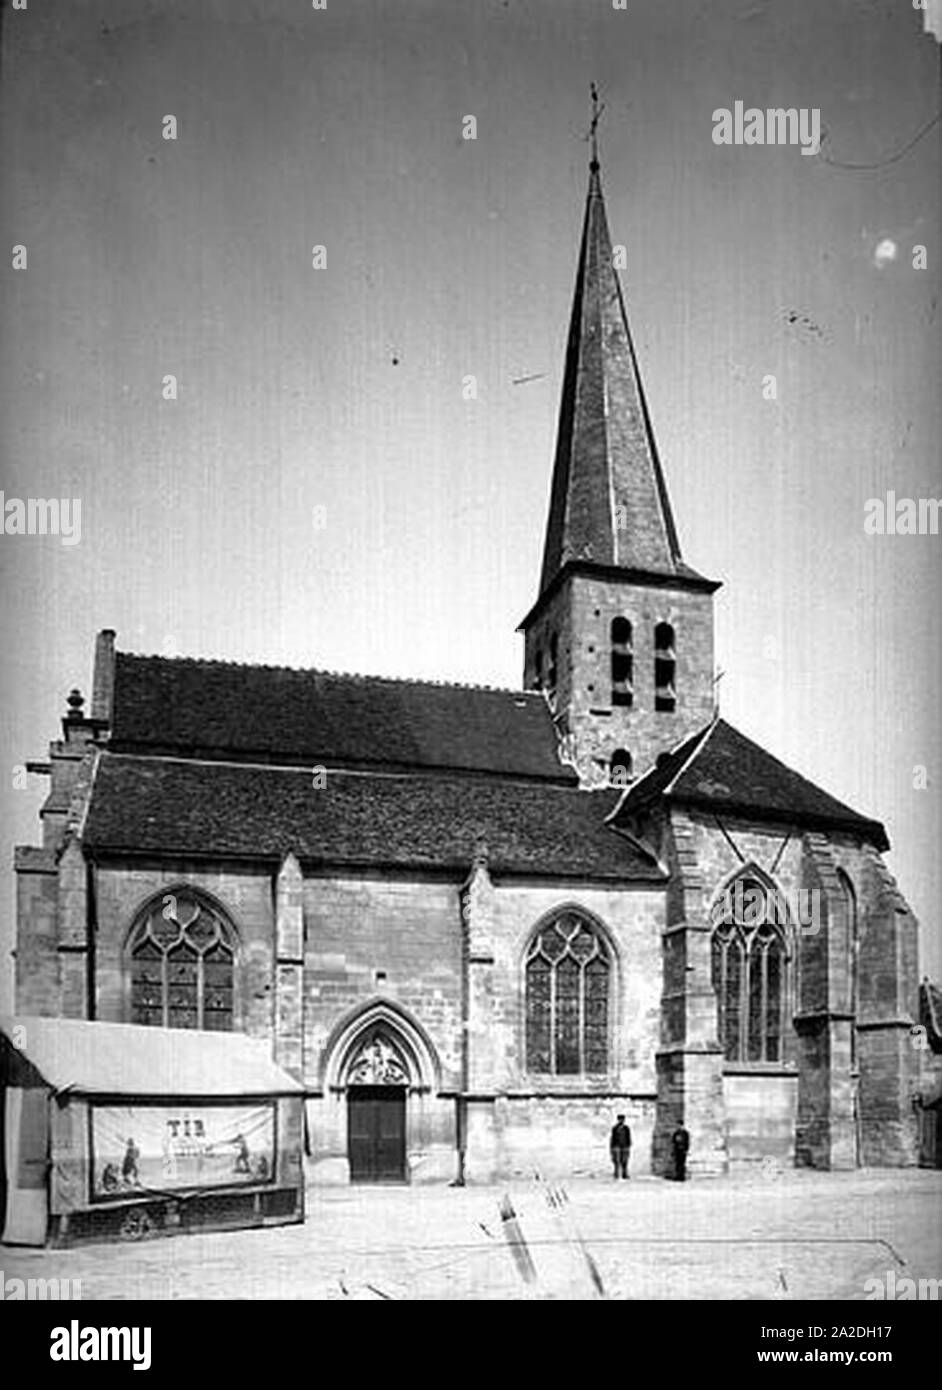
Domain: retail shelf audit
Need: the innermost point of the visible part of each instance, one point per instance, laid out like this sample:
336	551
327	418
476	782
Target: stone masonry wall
372	940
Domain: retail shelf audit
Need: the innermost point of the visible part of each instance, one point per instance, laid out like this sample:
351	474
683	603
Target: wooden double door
376	1133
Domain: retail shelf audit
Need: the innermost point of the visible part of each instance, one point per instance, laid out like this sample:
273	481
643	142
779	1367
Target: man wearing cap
620	1147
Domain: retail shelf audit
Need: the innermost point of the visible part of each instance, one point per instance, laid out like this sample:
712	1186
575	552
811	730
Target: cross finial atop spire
596	114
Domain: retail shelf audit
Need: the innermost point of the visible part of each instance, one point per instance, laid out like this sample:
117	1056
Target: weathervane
596	113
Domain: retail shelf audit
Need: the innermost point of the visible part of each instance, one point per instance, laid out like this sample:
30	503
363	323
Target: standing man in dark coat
620	1147
680	1143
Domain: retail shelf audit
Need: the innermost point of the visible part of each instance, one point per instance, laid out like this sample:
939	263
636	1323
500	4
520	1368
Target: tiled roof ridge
342	675
419	773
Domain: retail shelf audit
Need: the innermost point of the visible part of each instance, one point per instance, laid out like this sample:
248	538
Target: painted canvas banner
141	1148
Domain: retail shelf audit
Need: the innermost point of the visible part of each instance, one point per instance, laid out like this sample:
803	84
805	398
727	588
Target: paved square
794	1235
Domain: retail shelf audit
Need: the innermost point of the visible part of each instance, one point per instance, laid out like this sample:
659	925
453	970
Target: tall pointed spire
620	637
609	502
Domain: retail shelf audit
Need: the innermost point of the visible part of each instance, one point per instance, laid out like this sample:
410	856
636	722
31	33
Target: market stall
114	1131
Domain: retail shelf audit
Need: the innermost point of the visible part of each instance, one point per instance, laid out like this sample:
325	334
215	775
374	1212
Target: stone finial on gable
77	728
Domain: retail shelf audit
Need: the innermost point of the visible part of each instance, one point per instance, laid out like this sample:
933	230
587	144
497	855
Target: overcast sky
341	387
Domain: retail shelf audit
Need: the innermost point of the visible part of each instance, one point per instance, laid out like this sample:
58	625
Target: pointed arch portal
375	1061
377	1076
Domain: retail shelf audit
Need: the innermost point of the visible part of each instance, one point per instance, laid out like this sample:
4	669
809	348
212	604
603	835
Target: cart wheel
136	1224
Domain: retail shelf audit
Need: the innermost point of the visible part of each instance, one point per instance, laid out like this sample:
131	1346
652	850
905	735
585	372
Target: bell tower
621	635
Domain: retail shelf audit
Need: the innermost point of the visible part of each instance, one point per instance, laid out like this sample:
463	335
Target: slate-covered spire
609	502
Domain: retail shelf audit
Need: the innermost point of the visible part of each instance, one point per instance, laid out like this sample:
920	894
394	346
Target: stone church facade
476	924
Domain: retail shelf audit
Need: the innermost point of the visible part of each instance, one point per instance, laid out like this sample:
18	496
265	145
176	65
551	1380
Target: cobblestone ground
794	1235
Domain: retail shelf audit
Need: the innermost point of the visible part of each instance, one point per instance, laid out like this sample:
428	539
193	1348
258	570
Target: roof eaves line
809	820
683	578
651	875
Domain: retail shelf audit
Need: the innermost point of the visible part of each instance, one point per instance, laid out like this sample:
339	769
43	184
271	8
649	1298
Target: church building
476	924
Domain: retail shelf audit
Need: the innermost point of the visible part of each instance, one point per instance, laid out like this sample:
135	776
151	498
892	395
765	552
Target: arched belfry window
568	990
749	963
665	668
180	957
553	670
623	662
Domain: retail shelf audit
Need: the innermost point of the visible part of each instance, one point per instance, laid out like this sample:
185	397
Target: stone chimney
103	677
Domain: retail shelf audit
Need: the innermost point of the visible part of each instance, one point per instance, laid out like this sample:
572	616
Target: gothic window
622	662
619	772
749	966
568	984
538	669
665	668
852	938
180	958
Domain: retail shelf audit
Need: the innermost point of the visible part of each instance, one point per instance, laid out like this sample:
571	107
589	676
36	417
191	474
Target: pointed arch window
665	668
568	988
749	963
623	662
180	959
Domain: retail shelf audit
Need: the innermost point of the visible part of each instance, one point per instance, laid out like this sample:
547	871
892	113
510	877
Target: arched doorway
381	1117
377	1080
